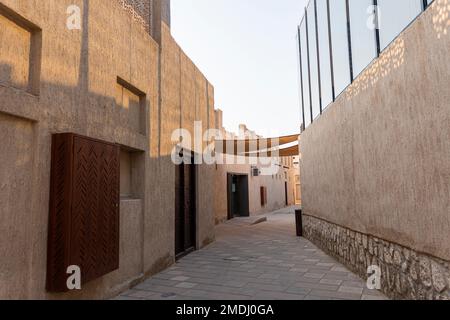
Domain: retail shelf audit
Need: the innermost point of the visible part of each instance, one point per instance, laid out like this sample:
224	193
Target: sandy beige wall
378	160
184	99
78	82
78	92
275	191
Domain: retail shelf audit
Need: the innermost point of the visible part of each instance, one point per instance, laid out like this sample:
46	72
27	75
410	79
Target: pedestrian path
265	261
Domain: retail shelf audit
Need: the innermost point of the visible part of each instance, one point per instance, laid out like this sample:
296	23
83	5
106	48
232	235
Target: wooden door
179	209
185	209
189	207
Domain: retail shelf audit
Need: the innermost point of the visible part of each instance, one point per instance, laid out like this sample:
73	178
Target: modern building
375	166
85	86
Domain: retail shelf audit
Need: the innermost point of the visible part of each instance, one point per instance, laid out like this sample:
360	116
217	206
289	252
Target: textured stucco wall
184	99
78	84
378	160
150	13
78	93
14	69
274	183
275	191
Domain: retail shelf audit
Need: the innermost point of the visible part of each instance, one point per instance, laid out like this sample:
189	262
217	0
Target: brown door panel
84	209
185	209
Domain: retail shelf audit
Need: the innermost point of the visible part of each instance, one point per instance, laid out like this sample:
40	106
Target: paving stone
186	285
196	294
140	294
298	290
316	285
332	282
123	297
266	287
339	269
263	262
180	278
357	284
324	264
299	270
335	294
269	276
317	298
268	295
166	290
174	272
369	297
351	290
314	275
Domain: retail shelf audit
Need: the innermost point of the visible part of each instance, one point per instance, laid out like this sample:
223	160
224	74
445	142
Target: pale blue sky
247	50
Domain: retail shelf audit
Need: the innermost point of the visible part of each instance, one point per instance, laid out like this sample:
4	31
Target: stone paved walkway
263	262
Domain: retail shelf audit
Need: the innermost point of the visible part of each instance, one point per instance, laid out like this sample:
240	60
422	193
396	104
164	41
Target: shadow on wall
138	11
394	56
389	60
75	107
5	75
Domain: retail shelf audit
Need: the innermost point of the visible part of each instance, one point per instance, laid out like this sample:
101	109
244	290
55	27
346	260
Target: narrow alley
265	261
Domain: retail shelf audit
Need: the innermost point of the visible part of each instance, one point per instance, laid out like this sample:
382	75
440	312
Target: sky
247	50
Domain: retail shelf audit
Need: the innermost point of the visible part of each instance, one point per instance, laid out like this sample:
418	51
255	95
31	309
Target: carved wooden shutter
84	209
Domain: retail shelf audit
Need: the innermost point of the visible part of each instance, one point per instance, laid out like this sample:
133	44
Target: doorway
185	210
238	198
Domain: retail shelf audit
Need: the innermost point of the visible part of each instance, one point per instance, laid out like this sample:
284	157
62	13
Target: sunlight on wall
441	19
133	6
14	54
392	58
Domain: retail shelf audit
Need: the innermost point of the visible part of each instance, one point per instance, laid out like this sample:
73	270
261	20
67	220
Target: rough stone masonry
405	273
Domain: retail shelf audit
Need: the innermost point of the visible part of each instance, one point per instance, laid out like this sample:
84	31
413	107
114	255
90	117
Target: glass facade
338	39
326	84
394	16
313	60
300	93
339	42
362	26
305	74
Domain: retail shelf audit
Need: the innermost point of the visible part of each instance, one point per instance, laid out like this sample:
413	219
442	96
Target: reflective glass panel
339	40
394	16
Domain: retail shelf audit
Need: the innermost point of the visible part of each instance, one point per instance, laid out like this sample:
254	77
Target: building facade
375	160
107	72
246	187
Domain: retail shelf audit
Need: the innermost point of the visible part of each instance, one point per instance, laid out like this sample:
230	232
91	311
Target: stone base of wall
405	274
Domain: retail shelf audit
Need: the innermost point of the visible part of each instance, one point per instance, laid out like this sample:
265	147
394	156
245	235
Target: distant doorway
238	198
185	210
